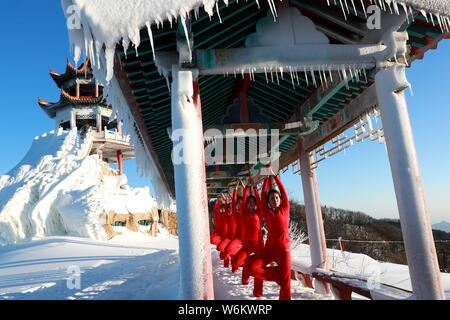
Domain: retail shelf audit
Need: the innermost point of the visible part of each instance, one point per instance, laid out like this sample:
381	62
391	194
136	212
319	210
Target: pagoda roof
67	99
72	72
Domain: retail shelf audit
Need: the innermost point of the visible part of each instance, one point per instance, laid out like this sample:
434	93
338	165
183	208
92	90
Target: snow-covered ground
133	266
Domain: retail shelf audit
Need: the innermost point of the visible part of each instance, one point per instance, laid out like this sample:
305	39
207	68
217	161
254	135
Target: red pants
233	247
223	244
215	239
280	274
242	256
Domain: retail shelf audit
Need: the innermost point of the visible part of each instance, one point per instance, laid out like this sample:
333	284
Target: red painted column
245	116
120	162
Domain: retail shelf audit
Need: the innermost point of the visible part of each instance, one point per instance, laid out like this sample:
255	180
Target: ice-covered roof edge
97	26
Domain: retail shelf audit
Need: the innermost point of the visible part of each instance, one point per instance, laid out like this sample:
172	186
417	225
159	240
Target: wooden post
120	162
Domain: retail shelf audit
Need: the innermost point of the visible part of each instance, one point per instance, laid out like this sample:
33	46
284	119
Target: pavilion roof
146	92
67	99
72	72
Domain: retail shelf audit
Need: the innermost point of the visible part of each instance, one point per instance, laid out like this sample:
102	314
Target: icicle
218	13
313	77
150	34
406	60
292	78
354	7
306	76
344	73
438	17
432	20
125	45
257	3
271	74
346	6
265	72
296	77
364	8
186	33
278	79
406	11
320	76
325	76
394	4
343	10
331	74
411	90
273	9
282	73
365	75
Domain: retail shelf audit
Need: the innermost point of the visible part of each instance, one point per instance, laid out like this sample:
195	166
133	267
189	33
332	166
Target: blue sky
34	40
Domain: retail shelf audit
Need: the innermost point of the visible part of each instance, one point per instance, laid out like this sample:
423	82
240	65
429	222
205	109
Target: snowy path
133	267
227	286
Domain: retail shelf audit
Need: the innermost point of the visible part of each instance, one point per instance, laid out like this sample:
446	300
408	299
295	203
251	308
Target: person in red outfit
219	222
236	244
276	212
230	220
253	239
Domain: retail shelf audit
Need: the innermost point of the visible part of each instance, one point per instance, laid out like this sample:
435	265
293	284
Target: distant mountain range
443	226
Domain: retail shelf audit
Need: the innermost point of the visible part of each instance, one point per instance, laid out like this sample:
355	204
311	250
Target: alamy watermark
73	14
232	146
73	278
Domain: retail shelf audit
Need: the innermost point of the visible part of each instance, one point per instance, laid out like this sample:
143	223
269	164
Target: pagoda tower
81	105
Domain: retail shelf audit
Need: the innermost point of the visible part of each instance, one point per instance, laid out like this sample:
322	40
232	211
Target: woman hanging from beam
251	211
276	212
219	222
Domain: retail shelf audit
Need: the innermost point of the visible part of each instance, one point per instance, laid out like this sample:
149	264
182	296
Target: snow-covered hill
59	189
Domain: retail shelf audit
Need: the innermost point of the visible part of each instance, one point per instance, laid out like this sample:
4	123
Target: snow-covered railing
343	286
111	135
117	136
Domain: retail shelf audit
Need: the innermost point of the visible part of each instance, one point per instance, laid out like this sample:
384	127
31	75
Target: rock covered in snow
59	189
